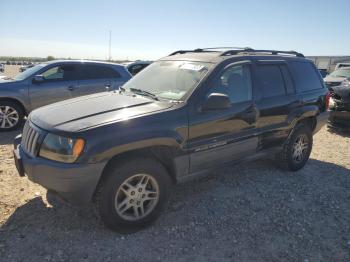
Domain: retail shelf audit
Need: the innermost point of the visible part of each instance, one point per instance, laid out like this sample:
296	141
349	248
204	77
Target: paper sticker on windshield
192	67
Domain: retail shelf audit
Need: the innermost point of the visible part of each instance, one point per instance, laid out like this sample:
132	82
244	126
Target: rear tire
11	115
297	148
133	195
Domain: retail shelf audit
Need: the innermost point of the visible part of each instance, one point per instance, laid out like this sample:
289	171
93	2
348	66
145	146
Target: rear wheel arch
310	122
14	100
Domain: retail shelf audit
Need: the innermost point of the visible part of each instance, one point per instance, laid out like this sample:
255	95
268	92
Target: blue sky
152	29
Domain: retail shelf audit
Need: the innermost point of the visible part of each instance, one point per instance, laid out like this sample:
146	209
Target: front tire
297	148
11	115
133	195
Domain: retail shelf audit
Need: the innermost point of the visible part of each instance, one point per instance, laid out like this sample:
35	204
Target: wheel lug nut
143	196
140	189
132	193
131	201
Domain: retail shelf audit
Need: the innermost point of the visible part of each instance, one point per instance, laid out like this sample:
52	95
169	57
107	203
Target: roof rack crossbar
272	52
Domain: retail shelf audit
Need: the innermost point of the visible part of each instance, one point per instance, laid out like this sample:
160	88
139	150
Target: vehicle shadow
259	202
6	138
345	132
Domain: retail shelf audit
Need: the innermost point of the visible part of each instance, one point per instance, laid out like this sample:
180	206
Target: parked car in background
25	67
340	106
54	81
2	67
187	114
337	77
137	66
342	65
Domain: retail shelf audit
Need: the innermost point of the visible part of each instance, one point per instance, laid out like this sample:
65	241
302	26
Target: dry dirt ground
11	70
248	212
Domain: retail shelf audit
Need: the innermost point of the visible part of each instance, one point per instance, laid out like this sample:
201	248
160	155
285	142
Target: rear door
95	79
58	83
275	99
220	136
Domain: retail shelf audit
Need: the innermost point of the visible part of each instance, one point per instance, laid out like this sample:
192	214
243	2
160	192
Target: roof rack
272	52
209	49
237	50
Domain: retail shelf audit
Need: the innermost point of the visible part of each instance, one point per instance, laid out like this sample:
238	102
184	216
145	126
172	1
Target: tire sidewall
116	177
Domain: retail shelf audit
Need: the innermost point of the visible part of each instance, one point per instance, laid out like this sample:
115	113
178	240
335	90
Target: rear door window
98	72
287	79
305	76
271	80
61	73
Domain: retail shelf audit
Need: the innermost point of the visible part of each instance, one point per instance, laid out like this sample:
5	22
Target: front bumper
321	120
339	119
75	183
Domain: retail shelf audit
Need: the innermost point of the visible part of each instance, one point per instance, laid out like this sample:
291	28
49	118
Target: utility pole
110	41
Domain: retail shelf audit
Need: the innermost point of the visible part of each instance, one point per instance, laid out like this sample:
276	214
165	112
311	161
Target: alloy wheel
9	117
137	197
300	148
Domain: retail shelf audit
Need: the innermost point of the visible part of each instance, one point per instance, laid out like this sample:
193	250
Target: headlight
61	149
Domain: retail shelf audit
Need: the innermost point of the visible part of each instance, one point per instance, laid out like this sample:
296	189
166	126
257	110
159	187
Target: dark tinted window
305	76
136	68
99	72
61	73
271	80
235	81
287	79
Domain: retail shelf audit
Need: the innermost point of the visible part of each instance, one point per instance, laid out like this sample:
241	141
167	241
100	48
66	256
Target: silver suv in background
55	81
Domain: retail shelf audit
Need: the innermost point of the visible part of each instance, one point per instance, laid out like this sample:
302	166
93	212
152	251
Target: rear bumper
75	183
321	120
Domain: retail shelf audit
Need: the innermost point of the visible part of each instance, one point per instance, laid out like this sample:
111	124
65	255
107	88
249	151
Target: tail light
328	98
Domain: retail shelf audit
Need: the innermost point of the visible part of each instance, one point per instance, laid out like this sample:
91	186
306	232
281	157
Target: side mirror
38	79
216	101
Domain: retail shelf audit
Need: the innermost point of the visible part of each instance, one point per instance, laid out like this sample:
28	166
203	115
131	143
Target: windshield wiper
144	93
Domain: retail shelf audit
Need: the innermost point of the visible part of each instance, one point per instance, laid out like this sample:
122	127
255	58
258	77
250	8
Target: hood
90	111
5	79
334	79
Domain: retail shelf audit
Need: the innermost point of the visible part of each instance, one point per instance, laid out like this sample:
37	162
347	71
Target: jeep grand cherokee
183	115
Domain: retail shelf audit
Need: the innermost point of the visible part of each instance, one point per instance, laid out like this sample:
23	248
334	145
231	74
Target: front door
220	136
57	85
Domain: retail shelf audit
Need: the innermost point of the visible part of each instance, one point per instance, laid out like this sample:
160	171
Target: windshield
169	79
341	73
29	72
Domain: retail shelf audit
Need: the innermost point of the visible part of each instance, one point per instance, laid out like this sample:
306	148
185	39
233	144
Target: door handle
250	115
71	88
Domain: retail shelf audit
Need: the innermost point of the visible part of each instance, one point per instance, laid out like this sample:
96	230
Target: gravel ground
248	212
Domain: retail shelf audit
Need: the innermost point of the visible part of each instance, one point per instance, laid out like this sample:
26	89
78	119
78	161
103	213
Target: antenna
109	50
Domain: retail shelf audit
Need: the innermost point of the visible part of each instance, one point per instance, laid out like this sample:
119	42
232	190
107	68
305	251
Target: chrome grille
30	137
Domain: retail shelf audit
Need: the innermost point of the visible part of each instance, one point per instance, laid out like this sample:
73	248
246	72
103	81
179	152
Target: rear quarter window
305	76
99	72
